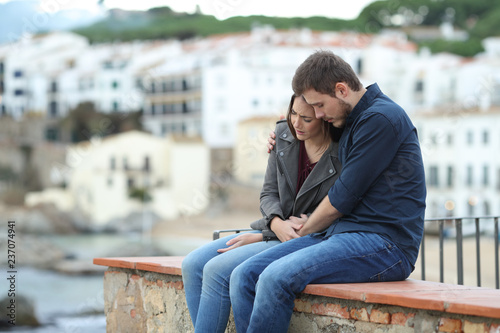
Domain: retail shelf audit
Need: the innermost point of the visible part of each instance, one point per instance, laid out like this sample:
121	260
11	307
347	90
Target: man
370	225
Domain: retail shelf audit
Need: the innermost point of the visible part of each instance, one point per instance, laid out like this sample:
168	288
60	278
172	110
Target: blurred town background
139	132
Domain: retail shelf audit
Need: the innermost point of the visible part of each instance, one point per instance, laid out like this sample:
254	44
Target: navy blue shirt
381	187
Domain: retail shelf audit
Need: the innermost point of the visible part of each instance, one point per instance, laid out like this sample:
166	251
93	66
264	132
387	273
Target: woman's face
302	117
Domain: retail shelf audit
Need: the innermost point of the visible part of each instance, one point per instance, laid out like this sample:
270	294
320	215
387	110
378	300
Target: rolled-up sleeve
373	145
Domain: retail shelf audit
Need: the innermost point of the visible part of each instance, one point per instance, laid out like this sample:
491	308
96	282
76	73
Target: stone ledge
427	295
147	293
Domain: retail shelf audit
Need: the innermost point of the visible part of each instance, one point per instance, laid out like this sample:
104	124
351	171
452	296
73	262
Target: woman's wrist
271	223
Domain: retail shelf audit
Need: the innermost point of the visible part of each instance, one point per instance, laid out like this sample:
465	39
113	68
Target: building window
18	92
360	66
139	84
53	86
147	166
1	68
53	109
433	176
449	139
486	137
130	183
125	163
18	73
112	163
487	210
486	171
469	179
115	84
153	87
419	86
116	106
470	137
450	176
51	134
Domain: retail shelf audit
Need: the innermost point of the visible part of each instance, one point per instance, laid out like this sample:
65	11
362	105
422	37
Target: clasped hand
288	229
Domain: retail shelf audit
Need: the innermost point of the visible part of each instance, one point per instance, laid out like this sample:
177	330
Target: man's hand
272	136
322	217
240	240
285	230
271	142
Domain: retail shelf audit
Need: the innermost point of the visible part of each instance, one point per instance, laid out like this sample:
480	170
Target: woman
300	171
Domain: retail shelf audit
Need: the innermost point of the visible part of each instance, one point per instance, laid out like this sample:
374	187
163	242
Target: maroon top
305	166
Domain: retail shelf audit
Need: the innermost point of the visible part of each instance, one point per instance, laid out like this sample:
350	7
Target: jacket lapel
288	158
324	169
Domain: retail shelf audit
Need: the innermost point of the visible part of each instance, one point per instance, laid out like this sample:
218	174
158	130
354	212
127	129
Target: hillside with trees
479	18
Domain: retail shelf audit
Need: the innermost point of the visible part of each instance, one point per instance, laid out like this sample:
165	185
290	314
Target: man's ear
341	90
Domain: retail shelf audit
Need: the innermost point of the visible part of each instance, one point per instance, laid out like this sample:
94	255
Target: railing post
422	255
497	275
460	267
441	251
478	252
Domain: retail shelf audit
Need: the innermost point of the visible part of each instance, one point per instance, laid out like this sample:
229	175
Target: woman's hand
285	230
240	240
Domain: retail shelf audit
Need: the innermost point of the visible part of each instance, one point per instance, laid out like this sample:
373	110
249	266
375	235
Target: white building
53	73
26	68
103	173
462	161
221	80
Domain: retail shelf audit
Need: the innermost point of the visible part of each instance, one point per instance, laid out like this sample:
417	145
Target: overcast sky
225	8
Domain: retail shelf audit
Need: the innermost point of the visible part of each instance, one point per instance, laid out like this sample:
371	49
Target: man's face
328	108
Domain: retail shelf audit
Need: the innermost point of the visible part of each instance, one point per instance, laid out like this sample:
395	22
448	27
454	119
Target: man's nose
318	113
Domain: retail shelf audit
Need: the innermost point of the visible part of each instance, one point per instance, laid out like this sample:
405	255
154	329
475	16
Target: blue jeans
206	273
263	288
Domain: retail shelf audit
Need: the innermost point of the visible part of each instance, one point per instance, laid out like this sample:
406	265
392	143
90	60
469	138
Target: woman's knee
192	264
218	269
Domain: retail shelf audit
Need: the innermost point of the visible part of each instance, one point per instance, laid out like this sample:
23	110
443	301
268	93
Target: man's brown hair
321	71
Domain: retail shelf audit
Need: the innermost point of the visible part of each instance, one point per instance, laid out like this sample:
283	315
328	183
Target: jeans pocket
396	272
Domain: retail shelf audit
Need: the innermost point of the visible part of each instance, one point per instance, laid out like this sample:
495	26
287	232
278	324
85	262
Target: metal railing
216	234
448	228
453	227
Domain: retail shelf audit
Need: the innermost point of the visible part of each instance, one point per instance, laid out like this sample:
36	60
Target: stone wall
141	301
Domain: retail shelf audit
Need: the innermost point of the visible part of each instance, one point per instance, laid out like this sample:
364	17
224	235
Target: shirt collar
372	91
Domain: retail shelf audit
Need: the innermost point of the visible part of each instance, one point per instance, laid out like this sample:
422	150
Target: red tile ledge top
165	265
416	294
